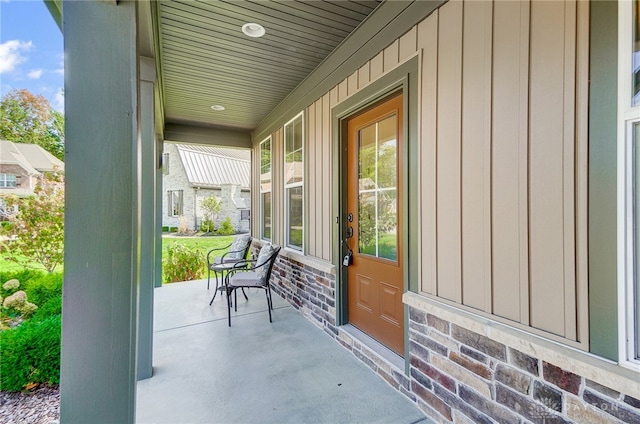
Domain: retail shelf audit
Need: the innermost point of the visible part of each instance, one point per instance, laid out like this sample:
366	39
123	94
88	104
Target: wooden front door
374	201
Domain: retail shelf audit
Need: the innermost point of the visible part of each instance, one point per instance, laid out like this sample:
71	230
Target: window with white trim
294	182
7	180
175	203
265	188
629	181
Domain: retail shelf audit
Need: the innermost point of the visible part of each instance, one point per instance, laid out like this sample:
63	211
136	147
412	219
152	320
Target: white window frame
263	191
628	116
300	184
4	180
170	208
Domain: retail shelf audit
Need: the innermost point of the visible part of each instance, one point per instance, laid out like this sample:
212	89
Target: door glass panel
367	223
377	172
387	153
367	158
387	225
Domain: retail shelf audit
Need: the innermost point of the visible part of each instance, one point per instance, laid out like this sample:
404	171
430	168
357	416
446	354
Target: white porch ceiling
206	60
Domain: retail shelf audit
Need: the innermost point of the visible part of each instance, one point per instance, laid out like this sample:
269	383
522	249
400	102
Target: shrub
17	304
206	226
226	228
43	287
39	286
48	309
30	354
165	229
24	276
7	225
182	263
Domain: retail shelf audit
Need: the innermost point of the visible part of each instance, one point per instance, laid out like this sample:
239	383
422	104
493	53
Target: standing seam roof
210	167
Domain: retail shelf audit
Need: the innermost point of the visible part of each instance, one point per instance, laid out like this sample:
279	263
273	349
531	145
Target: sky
31	50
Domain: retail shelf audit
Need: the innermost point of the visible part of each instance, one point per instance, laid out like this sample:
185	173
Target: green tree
37	233
211	207
29	118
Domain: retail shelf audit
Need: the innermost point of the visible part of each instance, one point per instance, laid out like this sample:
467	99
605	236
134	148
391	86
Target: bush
30	354
182	263
226	229
206	226
44	287
6	226
165	229
48	309
39	286
23	276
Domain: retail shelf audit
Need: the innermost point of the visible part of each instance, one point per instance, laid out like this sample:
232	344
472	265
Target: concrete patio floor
288	371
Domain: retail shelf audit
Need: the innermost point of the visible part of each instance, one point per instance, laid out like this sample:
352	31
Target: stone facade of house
234	198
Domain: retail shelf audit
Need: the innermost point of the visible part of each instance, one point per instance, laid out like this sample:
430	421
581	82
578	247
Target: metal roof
208	166
206	59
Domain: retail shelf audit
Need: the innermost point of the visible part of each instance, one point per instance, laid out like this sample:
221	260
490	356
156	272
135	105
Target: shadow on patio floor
288	371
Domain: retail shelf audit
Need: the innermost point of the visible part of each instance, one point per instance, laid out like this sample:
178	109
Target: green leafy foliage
30	351
29	118
43	287
226	228
206	226
182	263
211	207
30	354
37	234
50	308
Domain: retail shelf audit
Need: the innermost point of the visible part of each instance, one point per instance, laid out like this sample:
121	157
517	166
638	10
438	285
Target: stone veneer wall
308	289
457	375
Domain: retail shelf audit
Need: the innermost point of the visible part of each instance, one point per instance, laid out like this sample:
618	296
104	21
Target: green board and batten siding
502	226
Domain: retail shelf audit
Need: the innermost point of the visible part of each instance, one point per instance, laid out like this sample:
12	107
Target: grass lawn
9	266
203	243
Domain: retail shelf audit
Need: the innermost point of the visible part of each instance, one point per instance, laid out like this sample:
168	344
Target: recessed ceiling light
253	30
217	107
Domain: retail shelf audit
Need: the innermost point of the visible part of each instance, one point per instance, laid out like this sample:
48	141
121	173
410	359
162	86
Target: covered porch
256	371
511	300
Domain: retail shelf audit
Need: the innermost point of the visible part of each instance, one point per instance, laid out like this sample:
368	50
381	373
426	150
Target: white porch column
98	372
149	161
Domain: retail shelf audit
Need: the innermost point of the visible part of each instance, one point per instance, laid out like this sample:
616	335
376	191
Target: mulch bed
38	406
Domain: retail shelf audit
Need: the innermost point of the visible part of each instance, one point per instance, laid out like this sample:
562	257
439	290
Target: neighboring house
192	173
494	261
21	165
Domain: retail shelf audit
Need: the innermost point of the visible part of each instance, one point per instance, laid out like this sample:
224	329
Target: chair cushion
265	253
238	247
246	279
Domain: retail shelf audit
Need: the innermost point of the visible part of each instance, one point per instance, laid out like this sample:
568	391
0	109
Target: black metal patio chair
256	274
237	253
